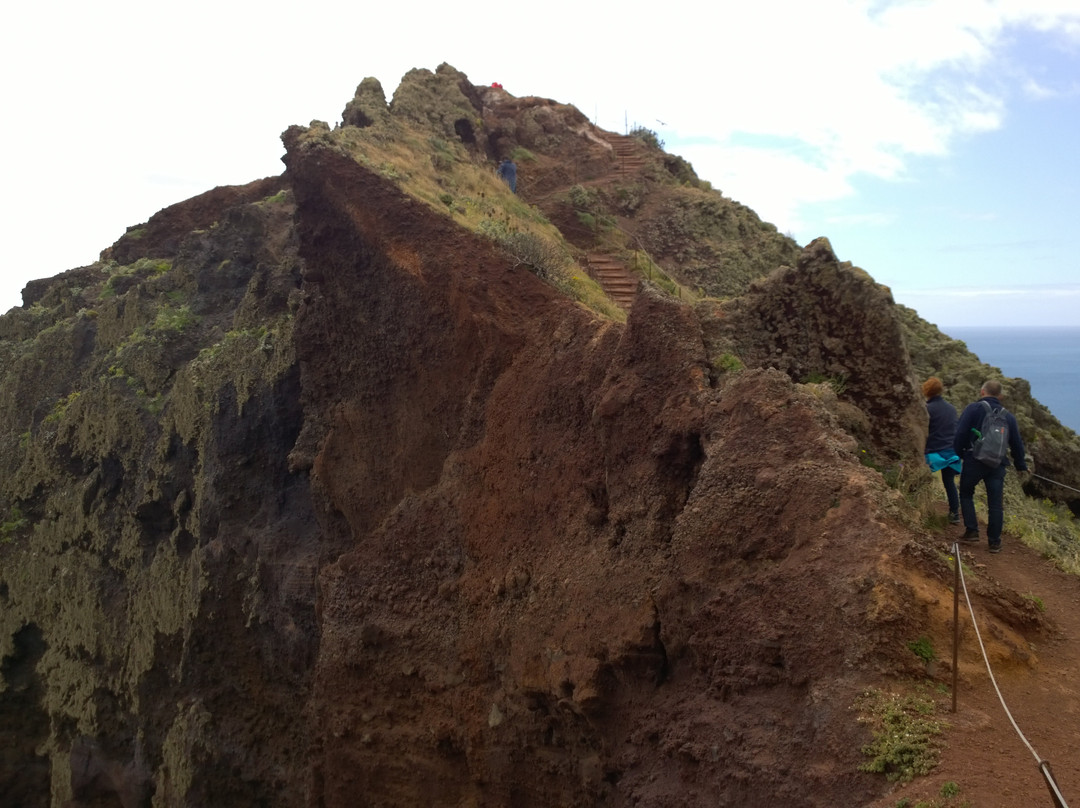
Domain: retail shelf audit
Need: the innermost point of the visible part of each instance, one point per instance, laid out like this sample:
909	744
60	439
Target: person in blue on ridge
508	173
975	471
939	443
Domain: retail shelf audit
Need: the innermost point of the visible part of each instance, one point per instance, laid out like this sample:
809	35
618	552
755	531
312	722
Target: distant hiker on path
974	421
939	443
508	173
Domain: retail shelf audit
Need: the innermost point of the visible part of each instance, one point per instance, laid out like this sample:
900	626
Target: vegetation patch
906	735
542	257
1046	527
12	525
923	649
584	199
61	407
949	793
837	383
728	363
173	318
522	155
643	265
647	136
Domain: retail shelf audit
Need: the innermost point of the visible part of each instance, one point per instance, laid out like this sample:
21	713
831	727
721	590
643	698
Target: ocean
1048	357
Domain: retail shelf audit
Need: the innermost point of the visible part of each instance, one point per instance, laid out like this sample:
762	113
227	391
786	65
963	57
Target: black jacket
942	425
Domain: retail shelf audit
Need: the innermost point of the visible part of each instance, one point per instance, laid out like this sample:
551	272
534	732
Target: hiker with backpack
985	433
939	443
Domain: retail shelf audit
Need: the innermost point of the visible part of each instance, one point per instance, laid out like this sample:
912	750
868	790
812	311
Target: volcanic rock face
326	503
162	559
823	320
557	526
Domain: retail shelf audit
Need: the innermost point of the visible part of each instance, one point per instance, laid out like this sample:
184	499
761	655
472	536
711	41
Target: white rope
1055	482
993	681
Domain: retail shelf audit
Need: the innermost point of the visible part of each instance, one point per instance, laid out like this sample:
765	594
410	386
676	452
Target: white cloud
862	89
773	183
864	219
1033	89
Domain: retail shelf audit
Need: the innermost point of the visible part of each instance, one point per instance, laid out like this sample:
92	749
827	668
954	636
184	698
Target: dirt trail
986	757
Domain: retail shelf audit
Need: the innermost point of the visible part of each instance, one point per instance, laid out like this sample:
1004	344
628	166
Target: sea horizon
1047	356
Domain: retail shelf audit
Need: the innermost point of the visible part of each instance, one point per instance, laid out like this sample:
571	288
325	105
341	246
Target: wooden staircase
618	282
629	153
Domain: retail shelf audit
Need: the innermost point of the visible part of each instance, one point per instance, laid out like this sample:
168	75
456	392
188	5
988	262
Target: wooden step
614	278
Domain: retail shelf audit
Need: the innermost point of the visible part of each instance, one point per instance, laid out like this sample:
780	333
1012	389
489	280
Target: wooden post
955	620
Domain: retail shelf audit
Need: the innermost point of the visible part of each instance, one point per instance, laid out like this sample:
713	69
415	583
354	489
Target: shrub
172	318
61	407
950	789
647	136
584	199
729	363
905	733
539	256
681	170
923	649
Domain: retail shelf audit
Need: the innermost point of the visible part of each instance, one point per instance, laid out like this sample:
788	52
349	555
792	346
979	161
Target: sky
933	142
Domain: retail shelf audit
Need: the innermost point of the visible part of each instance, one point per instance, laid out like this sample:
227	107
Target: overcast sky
934	142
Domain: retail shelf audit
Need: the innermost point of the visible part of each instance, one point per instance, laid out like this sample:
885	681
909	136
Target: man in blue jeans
975	471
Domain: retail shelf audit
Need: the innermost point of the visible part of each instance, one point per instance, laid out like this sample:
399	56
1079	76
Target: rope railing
1043	764
1055	482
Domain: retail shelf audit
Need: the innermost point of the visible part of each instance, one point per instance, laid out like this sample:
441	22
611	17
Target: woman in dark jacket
939	443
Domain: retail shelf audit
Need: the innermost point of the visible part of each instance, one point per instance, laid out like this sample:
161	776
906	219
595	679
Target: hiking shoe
954	518
970	535
995	548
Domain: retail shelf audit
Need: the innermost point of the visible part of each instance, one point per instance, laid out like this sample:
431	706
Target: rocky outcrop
444	102
826	321
161	235
367	107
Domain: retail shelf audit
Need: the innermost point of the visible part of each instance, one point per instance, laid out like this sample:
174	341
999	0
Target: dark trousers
973	473
948	479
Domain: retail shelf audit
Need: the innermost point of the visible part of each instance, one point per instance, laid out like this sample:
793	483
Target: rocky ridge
314	496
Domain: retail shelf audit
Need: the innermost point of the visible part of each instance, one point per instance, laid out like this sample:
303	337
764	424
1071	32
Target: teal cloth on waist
939	460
